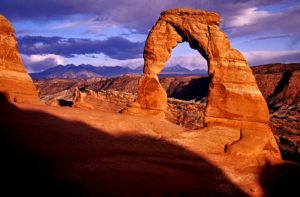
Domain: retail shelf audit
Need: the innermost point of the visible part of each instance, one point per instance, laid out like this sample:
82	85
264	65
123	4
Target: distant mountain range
71	71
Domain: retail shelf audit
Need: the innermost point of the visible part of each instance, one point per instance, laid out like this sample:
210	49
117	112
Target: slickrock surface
234	98
55	151
284	107
16	84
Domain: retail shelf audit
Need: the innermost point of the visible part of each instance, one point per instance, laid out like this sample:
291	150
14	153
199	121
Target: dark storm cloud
140	15
114	47
134	14
30	40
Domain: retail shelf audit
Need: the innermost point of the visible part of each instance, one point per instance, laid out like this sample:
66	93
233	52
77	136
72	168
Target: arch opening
185	60
186	82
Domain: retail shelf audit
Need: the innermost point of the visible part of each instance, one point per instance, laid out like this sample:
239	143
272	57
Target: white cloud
247	16
268	57
103	60
132	63
38	58
263	23
37	63
190	61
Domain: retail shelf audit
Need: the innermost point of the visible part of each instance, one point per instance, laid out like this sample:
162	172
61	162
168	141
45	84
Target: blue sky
110	33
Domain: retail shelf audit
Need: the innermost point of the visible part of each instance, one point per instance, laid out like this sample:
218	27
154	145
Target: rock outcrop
16	84
79	100
234	99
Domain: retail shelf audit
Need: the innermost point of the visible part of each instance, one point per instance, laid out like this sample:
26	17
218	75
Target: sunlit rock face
16	84
234	99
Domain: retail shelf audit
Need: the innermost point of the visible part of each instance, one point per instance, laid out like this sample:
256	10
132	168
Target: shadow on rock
43	155
280	180
65	103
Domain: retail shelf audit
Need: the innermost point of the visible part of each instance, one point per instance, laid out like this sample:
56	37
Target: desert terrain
76	152
124	137
188	97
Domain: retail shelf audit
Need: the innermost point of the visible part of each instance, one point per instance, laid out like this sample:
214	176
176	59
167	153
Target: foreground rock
16	84
55	151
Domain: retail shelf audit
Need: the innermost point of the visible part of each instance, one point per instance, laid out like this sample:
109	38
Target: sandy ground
62	151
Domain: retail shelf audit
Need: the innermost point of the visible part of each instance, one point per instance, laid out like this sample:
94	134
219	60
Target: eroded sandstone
16	84
234	99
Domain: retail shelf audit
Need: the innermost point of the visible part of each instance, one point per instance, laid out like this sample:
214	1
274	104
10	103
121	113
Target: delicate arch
233	93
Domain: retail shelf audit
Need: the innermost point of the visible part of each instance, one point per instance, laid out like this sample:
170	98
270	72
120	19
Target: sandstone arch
234	98
233	91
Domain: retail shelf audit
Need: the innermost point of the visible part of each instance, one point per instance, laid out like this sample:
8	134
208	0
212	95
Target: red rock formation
234	99
283	105
79	100
16	84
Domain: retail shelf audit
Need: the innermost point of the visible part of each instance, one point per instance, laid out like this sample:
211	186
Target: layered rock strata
16	84
234	99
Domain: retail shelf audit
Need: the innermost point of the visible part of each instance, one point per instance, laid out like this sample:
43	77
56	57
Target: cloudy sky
113	32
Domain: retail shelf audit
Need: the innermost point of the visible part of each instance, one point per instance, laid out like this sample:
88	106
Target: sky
113	32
